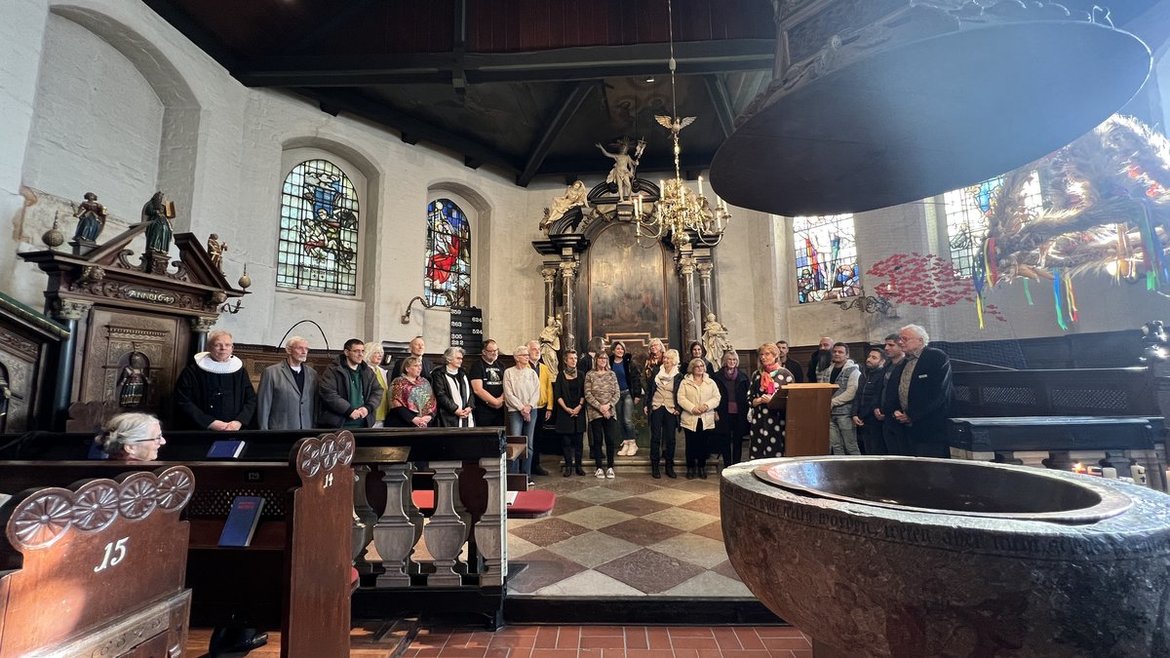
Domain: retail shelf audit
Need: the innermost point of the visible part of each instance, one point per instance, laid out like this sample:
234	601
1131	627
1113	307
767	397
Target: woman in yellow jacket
698	396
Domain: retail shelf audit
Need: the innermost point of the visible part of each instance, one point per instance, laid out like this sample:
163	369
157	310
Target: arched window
317	249
826	258
966	214
447	274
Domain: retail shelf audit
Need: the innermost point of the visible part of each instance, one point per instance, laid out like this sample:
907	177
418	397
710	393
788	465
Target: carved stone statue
550	344
624	166
158	223
215	249
91	219
715	340
574	196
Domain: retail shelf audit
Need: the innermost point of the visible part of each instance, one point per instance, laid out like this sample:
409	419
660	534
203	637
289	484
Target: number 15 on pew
115	553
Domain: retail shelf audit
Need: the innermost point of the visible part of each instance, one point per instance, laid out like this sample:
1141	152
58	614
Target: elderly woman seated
131	437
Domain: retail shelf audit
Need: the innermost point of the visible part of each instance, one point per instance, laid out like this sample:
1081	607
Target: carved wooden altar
130	332
603	280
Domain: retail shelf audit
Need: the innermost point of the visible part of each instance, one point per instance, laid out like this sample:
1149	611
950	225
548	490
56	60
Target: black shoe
690	472
670	470
578	470
537	469
654	472
566	471
702	471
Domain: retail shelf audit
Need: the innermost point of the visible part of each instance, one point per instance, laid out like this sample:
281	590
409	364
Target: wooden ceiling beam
554	129
586	63
411	128
722	103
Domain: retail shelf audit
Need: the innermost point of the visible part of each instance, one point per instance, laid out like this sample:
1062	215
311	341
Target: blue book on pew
225	449
241	521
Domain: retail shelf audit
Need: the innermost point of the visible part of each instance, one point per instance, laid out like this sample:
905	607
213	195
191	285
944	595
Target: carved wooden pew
296	573
97	567
465	568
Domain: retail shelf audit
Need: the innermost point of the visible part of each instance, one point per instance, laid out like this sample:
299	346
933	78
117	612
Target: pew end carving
107	557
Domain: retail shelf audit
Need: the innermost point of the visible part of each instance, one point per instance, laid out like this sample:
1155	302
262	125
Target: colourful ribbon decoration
1028	293
1056	296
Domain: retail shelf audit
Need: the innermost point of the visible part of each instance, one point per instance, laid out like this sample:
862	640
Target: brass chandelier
679	210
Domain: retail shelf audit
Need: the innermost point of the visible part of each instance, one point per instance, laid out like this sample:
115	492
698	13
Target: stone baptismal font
897	556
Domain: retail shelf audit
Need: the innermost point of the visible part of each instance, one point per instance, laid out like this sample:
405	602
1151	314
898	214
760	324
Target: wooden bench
97	567
296	573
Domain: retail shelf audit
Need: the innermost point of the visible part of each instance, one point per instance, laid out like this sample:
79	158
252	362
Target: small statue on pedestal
91	219
550	344
215	249
624	167
157	214
715	340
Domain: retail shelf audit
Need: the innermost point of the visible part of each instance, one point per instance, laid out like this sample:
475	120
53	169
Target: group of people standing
354	391
897	403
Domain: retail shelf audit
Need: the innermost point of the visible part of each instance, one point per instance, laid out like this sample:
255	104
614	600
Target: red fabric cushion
528	503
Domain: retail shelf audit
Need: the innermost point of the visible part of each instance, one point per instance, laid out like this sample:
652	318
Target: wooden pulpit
807	420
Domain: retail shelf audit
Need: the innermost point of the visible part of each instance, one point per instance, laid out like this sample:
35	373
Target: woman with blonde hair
131	437
374	355
767	432
522	397
698	397
662	410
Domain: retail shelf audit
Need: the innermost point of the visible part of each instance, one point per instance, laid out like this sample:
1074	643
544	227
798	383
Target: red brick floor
613	642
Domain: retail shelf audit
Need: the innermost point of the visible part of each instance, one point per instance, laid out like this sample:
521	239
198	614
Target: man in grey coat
288	391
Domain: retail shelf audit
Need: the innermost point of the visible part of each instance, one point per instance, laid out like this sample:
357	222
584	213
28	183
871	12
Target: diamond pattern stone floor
630	536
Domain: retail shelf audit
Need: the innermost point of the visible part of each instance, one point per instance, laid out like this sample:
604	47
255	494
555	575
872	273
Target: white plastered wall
220	158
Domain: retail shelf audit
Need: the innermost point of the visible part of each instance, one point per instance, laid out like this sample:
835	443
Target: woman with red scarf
767	433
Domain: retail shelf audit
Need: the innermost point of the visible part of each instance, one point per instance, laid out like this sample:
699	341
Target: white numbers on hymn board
115	553
328	479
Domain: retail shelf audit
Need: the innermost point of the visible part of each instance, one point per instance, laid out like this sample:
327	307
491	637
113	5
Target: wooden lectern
807	419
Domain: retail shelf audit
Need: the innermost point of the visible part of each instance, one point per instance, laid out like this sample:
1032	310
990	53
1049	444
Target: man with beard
868	402
214	393
820	358
487	382
349	391
843	372
288	391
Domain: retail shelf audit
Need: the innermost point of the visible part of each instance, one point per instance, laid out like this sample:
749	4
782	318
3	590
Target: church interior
421	179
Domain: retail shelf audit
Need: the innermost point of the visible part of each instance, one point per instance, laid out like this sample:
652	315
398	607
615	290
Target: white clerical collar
205	362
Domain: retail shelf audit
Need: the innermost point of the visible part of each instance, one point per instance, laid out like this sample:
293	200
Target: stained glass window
447	275
317	248
966	212
826	258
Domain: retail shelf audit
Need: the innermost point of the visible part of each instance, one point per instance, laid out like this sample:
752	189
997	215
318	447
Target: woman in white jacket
521	395
698	396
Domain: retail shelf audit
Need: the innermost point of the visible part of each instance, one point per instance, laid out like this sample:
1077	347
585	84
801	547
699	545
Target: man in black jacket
924	392
348	390
868	400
